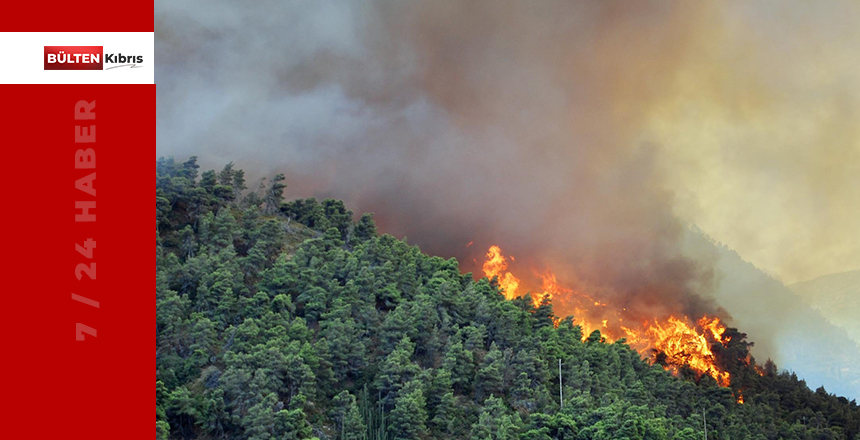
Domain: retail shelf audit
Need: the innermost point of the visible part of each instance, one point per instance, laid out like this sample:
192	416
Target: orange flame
683	345
678	342
496	266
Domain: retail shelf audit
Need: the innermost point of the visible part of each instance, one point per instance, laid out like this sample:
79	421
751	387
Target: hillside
837	297
783	326
286	320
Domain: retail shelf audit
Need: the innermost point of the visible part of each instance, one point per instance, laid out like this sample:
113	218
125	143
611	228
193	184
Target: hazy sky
742	118
762	135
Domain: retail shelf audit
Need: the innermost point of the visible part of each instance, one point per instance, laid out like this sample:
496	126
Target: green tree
489	378
396	369
366	227
495	422
348	419
274	194
409	416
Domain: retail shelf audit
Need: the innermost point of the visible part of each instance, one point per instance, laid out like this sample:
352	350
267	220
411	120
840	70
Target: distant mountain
781	323
837	297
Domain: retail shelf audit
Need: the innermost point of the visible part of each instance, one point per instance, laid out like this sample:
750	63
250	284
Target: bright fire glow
675	341
684	345
496	266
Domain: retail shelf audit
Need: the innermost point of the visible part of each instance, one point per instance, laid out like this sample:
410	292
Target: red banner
78	296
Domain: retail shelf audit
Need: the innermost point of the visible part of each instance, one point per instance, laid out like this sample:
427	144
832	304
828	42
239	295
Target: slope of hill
289	320
783	326
837	297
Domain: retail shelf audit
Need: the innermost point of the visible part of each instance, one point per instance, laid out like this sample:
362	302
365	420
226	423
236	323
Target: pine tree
488	379
396	369
409	416
348	419
366	227
275	194
496	422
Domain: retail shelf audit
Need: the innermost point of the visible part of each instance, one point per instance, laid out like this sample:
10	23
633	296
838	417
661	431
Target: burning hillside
389	321
672	341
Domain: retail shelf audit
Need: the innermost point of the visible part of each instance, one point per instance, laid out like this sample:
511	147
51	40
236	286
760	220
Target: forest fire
496	266
682	344
671	341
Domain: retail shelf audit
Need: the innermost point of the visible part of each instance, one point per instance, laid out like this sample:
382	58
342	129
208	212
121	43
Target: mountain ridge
782	324
837	297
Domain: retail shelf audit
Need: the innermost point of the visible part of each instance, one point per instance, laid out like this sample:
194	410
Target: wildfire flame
684	345
496	266
675	341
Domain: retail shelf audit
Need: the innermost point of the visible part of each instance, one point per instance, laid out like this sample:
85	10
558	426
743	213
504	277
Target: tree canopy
290	319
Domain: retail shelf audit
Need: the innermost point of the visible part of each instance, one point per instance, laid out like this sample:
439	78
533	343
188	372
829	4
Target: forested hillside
288	319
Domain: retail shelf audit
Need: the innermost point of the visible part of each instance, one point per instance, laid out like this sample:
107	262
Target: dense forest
291	319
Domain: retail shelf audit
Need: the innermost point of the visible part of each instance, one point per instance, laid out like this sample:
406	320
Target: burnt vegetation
289	319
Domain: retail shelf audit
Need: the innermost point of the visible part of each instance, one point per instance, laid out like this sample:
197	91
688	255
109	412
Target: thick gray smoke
523	124
499	123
